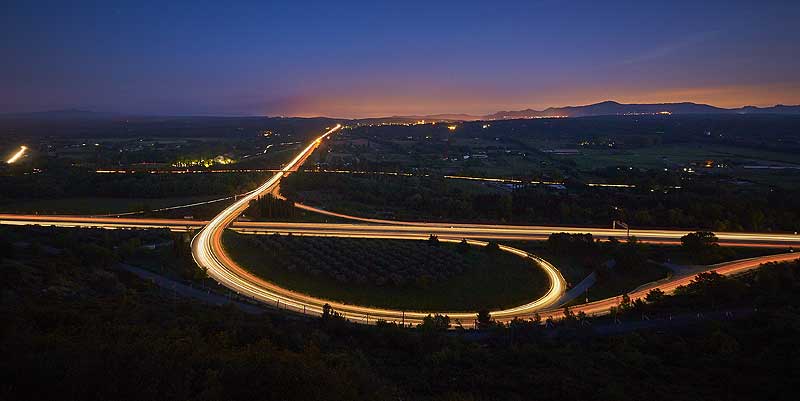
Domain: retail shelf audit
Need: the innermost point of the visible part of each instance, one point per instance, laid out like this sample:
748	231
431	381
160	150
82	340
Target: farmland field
402	274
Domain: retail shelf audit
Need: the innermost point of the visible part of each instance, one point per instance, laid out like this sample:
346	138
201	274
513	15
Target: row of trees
703	246
364	261
626	256
75	182
773	285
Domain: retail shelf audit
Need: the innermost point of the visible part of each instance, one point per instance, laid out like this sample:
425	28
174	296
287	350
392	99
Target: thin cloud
670	48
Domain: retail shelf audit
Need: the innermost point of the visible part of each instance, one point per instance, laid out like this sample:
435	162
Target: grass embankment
400	274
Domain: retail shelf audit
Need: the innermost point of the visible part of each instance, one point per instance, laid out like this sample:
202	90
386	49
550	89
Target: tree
703	247
484	319
699	242
655	296
569	316
630	255
713	287
435	322
433	240
625	303
570	244
328	314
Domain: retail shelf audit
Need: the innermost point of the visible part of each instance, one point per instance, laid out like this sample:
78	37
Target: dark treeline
716	207
78	331
59	183
269	207
622	265
762	131
627	256
699	204
773	285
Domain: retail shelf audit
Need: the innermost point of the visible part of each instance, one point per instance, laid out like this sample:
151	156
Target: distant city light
452	127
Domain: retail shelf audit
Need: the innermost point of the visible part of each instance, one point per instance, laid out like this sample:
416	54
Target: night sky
357	59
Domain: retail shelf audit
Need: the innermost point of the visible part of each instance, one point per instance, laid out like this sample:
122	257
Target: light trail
604	306
243	282
501	231
168	208
210	255
455	231
185	171
208	252
13	159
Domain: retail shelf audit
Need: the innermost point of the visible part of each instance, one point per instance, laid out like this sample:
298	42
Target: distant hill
68	114
606	108
615	108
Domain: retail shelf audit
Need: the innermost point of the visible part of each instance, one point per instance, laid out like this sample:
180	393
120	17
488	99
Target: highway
511	232
503	232
210	255
604	306
453	231
17	155
208	252
240	280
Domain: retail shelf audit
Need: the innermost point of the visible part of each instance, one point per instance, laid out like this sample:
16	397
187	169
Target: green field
488	280
669	156
676	156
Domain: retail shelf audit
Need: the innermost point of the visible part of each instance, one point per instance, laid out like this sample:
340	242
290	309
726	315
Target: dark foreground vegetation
74	328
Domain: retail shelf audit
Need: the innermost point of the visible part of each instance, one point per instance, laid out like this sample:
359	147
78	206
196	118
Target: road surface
454	231
17	155
249	285
728	268
210	255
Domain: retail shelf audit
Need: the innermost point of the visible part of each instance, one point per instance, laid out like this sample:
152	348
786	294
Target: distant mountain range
598	109
610	108
615	108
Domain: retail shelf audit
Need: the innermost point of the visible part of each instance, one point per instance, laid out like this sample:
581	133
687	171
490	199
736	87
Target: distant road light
17	155
452	127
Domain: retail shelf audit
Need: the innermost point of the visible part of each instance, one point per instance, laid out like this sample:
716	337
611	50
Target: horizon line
388	115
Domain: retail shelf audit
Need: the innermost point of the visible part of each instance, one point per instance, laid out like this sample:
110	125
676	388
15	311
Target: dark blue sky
359	59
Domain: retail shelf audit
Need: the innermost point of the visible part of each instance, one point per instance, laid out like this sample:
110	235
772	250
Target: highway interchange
210	255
